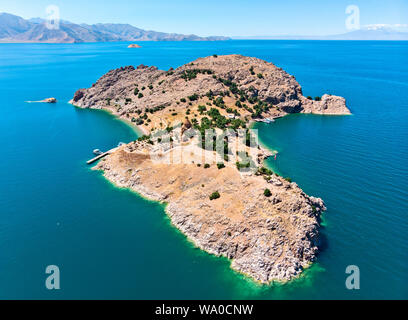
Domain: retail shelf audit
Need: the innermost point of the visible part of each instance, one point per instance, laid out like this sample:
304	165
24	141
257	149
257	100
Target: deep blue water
110	243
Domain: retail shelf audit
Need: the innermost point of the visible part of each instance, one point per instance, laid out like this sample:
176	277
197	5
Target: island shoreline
284	253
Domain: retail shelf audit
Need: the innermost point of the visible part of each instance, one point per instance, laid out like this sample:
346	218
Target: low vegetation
192	73
215	195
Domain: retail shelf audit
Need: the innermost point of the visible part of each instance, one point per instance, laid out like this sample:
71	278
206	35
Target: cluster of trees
145	138
192	73
155	109
265	171
242	165
316	98
219	102
231	85
202	109
259	108
193	97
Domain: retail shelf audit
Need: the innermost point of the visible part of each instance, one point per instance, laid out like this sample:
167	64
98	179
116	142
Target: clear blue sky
220	17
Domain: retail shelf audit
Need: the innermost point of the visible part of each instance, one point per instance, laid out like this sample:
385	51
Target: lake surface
109	243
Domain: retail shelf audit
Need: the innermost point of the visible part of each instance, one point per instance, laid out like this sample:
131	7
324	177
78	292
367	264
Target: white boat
97	152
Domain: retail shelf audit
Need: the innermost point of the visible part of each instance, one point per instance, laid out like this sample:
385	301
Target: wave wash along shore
199	156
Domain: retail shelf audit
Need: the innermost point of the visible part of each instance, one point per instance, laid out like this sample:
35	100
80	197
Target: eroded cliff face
268	236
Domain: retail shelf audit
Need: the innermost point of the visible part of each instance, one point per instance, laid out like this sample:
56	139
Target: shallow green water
111	243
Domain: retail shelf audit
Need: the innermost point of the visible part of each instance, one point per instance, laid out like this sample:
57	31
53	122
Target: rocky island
200	157
47	100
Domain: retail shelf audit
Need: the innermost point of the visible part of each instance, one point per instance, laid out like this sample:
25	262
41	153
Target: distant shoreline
144	41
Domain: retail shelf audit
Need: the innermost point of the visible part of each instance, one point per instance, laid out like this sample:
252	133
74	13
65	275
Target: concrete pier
101	156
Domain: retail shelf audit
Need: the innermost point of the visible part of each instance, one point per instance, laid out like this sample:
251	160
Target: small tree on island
214	195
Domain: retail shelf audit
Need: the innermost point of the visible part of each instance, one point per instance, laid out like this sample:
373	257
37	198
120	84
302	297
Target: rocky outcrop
133	45
49	100
328	105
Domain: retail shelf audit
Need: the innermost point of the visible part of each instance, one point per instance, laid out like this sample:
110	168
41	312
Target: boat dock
101	156
267	120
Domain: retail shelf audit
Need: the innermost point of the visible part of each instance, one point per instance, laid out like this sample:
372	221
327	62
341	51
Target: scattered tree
215	195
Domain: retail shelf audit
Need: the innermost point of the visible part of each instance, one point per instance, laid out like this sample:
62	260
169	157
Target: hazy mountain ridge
17	29
379	33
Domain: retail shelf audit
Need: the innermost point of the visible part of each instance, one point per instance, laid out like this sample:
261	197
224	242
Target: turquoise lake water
109	243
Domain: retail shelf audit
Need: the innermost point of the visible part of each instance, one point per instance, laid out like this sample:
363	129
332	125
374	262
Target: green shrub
215	195
192	73
206	166
201	109
242	165
267	193
140	95
318	99
194	97
259	75
288	179
265	171
220	165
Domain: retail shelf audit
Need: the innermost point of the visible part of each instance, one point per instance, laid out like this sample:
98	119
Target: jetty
266	120
102	155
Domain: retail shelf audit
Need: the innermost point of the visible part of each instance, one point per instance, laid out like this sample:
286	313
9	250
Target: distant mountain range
366	33
15	29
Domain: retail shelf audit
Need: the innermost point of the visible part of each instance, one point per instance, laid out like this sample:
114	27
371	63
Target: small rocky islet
227	203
